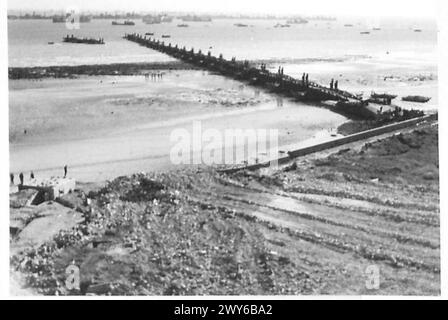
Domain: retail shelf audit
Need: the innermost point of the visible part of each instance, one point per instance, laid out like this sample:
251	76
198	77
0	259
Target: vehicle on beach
364	32
348	25
420	99
166	36
149	33
240	25
125	23
50	42
417	30
376	29
182	25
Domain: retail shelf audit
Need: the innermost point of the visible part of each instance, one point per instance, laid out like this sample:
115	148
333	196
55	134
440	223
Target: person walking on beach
21	178
32	175
331	84
336	85
65	171
11	178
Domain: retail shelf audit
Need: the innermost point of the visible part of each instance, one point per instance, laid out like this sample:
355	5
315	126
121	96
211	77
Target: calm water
28	41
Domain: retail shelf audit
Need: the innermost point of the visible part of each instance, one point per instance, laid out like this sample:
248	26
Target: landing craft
419	99
126	23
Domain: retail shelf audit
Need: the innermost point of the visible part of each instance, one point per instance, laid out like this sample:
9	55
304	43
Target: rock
429	175
22	198
98	289
52	218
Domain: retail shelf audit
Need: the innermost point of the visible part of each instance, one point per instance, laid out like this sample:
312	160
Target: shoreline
113	69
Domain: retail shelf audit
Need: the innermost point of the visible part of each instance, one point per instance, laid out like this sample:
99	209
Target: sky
377	8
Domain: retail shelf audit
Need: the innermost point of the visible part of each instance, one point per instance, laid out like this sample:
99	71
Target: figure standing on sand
336	85
32	175
21	178
11	178
331	84
65	171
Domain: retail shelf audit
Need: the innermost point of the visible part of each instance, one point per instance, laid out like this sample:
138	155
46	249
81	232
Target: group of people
334	84
22	177
154	76
305	79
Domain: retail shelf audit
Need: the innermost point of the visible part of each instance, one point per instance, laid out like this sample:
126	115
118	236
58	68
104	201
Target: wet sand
106	126
392	73
103	127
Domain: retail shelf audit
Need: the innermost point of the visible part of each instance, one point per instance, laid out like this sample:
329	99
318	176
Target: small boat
182	25
166	36
364	32
417	30
420	99
376	29
50	42
348	25
149	33
240	25
383	96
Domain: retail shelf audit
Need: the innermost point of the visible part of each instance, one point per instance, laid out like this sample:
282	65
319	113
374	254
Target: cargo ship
125	23
73	39
62	19
190	18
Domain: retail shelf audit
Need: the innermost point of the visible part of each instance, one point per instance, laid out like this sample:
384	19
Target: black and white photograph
223	149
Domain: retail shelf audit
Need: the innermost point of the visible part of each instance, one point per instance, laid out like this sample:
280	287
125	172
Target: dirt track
310	227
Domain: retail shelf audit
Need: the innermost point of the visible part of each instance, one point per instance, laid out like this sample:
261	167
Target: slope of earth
315	226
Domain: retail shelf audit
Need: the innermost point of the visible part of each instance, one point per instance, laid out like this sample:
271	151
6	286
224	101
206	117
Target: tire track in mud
339	245
308	216
376	200
424	216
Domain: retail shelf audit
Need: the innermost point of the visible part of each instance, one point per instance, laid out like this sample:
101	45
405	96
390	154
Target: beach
81	121
96	116
138	223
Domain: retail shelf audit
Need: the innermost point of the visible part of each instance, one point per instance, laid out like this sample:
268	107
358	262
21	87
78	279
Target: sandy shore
103	127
